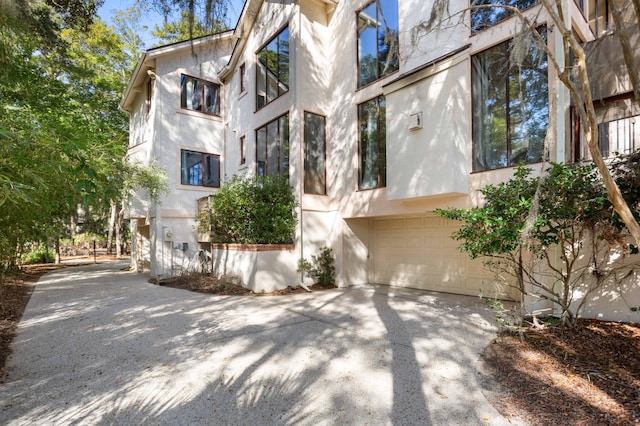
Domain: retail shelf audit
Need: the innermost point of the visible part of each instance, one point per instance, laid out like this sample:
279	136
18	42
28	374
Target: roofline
243	27
155	52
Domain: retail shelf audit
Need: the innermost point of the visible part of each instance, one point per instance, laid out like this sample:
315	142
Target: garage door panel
418	252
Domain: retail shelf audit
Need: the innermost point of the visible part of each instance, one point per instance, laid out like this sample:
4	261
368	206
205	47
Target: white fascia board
243	28
146	59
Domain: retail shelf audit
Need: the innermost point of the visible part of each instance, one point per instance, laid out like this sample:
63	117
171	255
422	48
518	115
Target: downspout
296	102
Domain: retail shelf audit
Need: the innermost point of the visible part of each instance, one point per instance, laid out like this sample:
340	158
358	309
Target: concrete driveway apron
100	345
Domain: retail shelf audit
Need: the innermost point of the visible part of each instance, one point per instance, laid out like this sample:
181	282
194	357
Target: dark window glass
314	154
242	78
272	148
372	149
272	70
199	169
377	41
620	136
243	156
510	107
149	94
485	17
199	95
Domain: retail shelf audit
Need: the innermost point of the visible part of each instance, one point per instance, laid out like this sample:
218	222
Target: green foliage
252	211
321	268
497	226
38	255
188	27
149	177
568	196
563	216
62	137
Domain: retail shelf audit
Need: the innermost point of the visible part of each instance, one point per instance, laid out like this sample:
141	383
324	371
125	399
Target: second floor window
315	148
200	169
485	17
272	148
243	83
377	41
199	95
272	70
510	104
373	143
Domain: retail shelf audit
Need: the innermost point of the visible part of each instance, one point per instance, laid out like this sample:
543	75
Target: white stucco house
377	121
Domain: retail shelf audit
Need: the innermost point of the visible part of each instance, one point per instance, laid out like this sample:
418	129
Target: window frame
202	162
508	131
283	154
243	76
203	95
263	67
243	156
498	21
381	178
379	76
307	172
149	94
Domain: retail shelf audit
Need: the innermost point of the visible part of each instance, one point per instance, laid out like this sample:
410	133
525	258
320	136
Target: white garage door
418	252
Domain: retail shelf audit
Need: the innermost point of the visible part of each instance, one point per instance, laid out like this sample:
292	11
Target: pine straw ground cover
586	376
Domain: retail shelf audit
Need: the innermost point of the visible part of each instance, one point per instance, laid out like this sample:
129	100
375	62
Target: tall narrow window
243	76
197	168
510	107
149	94
199	95
272	148
314	154
243	156
377	41
272	70
373	144
485	17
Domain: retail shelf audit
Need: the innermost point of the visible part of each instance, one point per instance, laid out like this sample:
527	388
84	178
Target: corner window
200	169
314	154
377	41
272	148
199	95
272	70
373	144
485	17
510	107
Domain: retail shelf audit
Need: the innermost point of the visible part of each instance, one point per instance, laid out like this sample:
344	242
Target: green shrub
321	268
38	255
252	211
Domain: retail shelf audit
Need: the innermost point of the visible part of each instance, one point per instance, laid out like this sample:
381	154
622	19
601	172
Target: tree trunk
112	225
58	260
72	227
584	106
118	229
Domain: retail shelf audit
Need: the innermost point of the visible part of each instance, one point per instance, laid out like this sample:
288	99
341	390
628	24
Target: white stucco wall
259	271
432	160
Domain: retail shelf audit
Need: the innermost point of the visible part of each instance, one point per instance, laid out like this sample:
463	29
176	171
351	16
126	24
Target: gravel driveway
99	345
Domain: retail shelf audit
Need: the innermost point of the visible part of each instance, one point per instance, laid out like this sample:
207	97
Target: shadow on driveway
99	345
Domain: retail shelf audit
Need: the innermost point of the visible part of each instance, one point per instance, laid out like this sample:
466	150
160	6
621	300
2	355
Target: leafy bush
252	211
321	268
527	223
38	255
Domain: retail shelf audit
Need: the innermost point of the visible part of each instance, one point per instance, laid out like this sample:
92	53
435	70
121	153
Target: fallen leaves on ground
583	376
